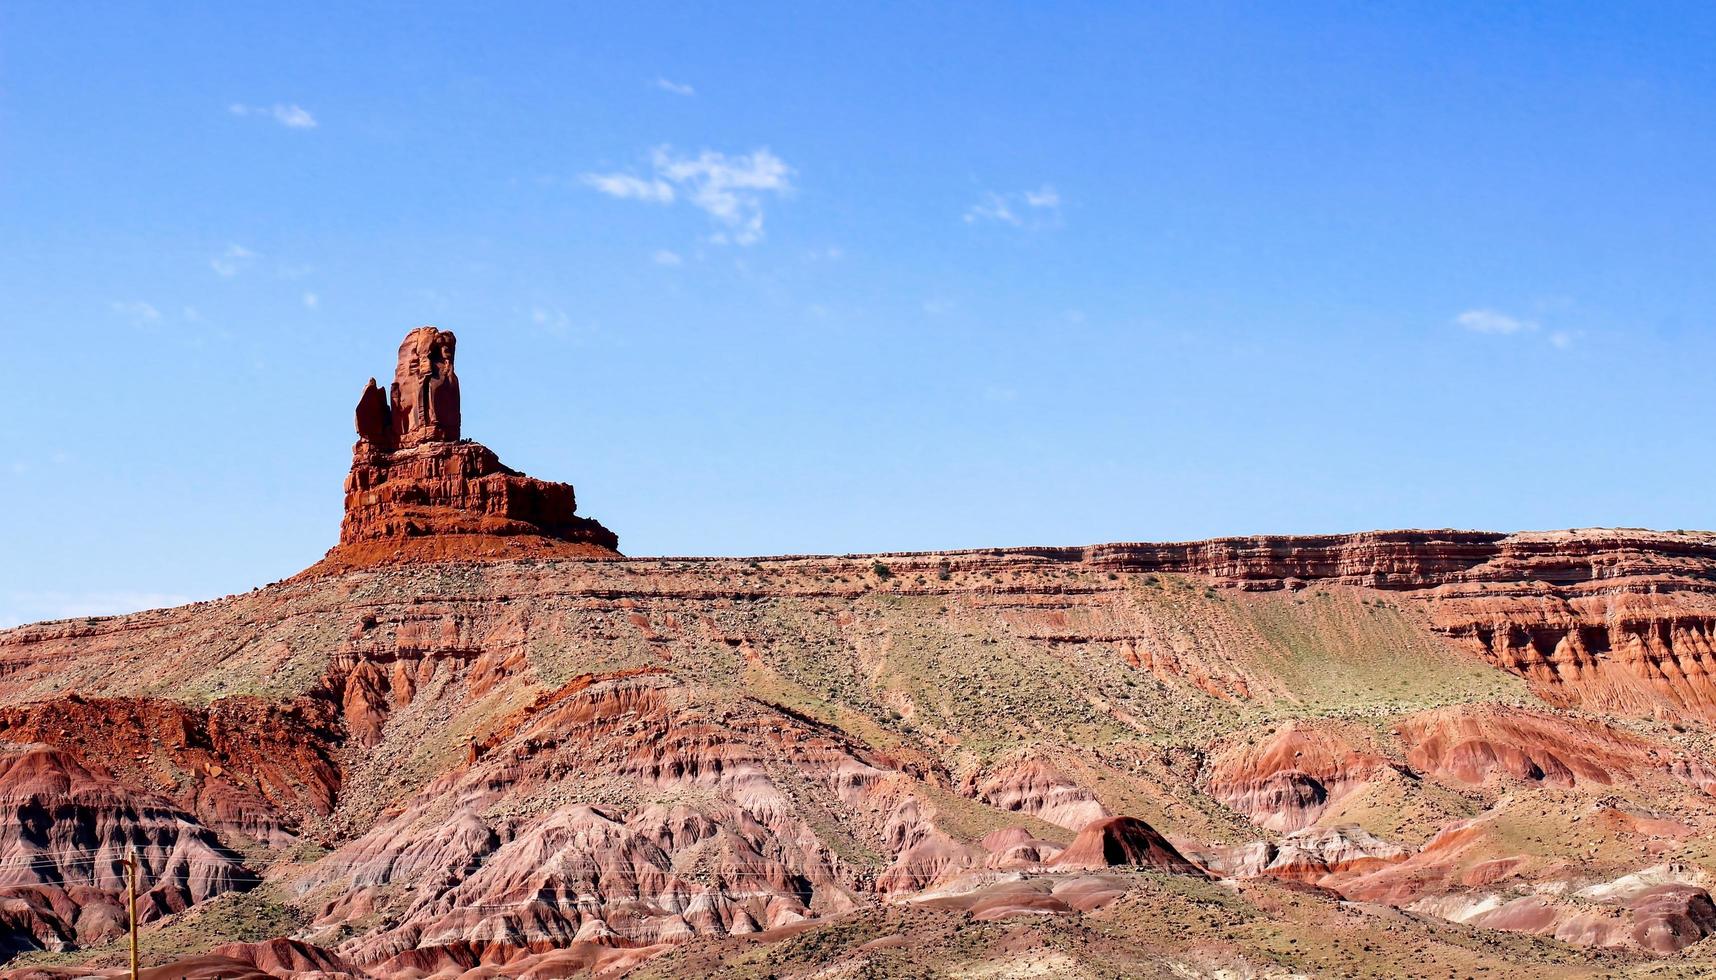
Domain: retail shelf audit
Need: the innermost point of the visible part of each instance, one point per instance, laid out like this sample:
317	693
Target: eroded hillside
1465	752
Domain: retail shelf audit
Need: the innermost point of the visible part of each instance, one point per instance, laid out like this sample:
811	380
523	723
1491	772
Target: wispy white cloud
1497	323
312	301
1047	197
1492	321
559	323
1020	209
677	88
993	207
292	116
667	257
233	260
729	189
137	311
627	186
550	317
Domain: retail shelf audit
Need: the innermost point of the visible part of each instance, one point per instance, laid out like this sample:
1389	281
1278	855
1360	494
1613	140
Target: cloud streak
731	190
1491	321
232	261
1499	324
292	116
1021	209
625	186
137	311
677	88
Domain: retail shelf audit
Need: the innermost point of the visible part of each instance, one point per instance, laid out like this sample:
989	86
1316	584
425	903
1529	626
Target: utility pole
131	902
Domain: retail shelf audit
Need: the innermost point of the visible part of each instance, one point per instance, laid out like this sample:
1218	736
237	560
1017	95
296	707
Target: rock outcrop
418	492
65	832
1123	841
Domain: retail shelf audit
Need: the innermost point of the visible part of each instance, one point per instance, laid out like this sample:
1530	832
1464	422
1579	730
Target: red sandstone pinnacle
417	492
425	389
374	418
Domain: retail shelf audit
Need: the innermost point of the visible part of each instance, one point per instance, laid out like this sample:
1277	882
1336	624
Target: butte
419	492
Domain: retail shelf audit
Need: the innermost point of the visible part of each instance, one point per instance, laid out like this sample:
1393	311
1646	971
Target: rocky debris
417	492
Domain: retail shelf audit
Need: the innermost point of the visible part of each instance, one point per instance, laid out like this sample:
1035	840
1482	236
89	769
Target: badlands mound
474	741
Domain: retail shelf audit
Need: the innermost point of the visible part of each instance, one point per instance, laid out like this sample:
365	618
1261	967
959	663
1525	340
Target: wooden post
131	903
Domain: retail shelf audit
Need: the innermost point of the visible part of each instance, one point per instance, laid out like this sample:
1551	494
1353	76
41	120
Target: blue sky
786	278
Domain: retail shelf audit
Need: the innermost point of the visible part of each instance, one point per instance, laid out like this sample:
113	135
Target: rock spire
419	492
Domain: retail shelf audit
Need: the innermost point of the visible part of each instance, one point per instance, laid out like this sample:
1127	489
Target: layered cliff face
1616	620
939	761
66	831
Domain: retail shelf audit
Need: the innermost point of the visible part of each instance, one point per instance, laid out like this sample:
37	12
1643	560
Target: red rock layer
241	765
634	809
1427	559
1037	788
1472	745
1645	647
482	856
1618	620
452	501
1615	620
65	830
1286	782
